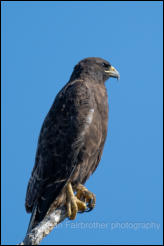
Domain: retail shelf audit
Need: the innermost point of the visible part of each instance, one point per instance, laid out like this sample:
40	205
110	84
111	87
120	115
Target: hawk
71	143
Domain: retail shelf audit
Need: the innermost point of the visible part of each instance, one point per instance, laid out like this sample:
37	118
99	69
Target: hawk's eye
105	65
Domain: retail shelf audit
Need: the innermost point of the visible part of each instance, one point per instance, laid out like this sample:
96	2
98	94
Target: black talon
91	203
89	209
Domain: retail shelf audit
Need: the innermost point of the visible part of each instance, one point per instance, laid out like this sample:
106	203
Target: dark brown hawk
71	142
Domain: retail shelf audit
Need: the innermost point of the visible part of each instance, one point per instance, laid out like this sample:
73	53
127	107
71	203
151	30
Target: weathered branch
45	227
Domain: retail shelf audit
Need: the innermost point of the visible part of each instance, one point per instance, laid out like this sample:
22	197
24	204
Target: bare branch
45	227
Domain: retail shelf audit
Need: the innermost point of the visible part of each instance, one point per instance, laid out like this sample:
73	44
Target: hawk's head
94	68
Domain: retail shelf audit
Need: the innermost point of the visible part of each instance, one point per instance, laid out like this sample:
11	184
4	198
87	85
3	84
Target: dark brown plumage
72	137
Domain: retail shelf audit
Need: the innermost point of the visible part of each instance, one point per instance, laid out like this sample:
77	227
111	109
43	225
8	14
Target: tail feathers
32	219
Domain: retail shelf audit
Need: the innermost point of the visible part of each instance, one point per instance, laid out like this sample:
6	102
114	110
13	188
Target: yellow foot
86	196
73	203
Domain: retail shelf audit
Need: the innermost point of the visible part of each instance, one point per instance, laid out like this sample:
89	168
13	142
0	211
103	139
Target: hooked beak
112	72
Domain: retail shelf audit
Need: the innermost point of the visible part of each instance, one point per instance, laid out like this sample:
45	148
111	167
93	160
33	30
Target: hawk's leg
86	196
73	203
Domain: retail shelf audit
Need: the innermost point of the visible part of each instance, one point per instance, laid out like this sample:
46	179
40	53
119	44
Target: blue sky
41	43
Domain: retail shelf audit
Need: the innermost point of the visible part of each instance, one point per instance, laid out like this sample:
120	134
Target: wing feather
61	138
